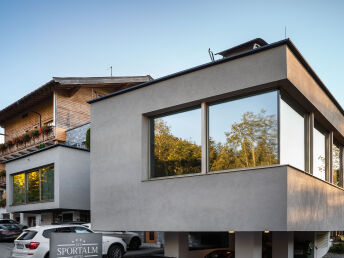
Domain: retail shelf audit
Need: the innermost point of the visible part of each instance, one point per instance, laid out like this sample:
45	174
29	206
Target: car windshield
27	235
8	227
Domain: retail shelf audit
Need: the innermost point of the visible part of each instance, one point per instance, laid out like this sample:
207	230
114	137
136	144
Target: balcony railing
30	142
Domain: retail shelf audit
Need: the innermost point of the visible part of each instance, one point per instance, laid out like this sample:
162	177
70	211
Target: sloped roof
48	88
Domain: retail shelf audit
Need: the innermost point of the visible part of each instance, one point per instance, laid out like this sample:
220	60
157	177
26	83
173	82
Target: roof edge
287	42
48	148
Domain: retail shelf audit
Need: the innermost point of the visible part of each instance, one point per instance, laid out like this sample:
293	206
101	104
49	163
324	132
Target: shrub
88	138
34	133
46	129
3	173
3	147
41	146
26	137
337	248
9	144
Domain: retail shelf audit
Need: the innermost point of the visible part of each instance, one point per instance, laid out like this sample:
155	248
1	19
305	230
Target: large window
319	153
292	135
19	188
336	165
177	144
34	186
257	130
243	133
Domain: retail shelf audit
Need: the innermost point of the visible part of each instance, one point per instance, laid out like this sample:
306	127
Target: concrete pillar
12	215
248	244
176	244
282	244
38	219
22	218
76	216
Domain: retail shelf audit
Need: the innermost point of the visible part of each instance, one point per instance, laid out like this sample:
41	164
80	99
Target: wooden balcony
35	143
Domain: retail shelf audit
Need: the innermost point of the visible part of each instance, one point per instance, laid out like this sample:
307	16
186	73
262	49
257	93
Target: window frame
26	185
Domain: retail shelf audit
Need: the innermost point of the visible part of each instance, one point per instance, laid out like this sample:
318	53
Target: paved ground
6	248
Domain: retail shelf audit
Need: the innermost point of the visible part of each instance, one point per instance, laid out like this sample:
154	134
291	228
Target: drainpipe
40	118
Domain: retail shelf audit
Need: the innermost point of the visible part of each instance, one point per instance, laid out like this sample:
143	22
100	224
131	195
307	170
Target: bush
46	129
3	173
41	146
337	248
26	137
88	138
34	133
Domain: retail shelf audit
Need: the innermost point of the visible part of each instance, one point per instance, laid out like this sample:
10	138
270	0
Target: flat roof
48	148
287	42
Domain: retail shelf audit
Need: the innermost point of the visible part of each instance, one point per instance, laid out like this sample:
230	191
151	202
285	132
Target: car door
83	230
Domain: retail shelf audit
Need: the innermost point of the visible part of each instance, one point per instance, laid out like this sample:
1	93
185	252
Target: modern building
45	154
244	153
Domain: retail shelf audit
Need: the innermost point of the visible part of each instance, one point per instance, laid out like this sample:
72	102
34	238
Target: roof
242	47
48	148
68	83
287	42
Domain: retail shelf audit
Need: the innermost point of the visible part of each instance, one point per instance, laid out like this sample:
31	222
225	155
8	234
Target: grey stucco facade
71	179
270	198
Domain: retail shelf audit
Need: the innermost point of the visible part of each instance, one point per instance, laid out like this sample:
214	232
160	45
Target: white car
34	242
132	239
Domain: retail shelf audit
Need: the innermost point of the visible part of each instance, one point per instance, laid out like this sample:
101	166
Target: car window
81	230
27	235
47	233
4	221
8	226
64	230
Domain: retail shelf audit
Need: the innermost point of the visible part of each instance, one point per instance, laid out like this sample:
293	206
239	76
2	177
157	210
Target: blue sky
41	39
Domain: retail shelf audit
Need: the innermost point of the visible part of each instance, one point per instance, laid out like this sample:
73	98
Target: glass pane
47	183
243	133
19	188
177	144
336	165
292	130
33	186
319	151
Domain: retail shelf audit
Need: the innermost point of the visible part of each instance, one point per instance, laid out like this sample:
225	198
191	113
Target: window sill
27	203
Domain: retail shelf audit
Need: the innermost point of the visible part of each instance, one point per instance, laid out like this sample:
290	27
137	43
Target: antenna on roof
111	70
211	54
285	32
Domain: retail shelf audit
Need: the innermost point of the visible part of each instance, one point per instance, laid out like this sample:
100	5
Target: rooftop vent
249	45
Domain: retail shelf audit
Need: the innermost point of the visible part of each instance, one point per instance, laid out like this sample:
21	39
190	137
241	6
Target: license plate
20	246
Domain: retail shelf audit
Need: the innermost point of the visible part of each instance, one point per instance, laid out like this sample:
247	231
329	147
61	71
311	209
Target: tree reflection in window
19	188
242	137
177	147
33	186
336	176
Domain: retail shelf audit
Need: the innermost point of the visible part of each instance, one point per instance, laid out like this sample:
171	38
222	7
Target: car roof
45	227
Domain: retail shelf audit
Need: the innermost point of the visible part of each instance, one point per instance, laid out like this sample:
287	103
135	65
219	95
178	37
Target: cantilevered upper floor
42	117
253	141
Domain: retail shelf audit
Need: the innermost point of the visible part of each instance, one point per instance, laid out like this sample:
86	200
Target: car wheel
135	243
115	251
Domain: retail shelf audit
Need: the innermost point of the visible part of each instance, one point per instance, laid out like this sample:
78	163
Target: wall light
266	231
231	232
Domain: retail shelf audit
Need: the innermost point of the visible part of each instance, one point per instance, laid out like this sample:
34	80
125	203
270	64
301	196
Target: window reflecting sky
185	125
222	117
319	154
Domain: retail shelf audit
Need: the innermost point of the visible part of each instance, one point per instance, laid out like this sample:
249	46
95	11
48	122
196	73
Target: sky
42	39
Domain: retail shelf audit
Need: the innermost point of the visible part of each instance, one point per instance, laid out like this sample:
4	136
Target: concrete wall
313	205
71	178
119	158
242	200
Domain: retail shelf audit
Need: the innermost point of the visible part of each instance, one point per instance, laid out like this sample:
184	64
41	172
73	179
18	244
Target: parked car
9	231
221	254
132	239
13	222
34	242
